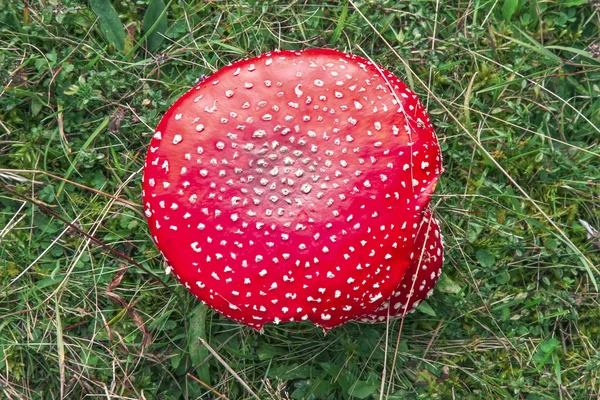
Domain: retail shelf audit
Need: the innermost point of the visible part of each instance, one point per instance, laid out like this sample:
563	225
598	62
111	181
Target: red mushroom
291	187
421	276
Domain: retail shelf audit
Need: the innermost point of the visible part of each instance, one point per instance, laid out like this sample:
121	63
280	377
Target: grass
513	88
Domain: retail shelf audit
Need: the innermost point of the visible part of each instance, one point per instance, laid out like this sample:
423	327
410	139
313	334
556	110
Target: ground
513	89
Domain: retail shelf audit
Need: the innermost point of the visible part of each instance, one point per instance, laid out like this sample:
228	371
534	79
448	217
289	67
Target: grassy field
513	89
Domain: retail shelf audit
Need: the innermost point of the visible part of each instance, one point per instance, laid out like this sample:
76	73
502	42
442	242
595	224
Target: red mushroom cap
421	276
291	186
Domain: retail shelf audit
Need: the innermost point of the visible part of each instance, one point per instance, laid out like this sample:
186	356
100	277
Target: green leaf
551	244
199	353
110	23
363	389
425	377
544	352
155	24
47	194
310	389
447	285
266	351
300	391
549	345
509	8
503	278
292	371
474	232
51	56
49	281
426	309
340	375
485	258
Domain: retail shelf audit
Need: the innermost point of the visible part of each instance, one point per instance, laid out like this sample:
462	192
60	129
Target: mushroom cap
421	276
290	186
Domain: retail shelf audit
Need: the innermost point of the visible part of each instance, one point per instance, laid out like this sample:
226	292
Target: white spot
195	247
376	297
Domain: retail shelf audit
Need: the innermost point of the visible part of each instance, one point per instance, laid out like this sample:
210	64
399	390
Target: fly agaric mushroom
291	186
421	276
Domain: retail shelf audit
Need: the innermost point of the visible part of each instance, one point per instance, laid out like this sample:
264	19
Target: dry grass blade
221	395
228	368
592	233
39	172
129	307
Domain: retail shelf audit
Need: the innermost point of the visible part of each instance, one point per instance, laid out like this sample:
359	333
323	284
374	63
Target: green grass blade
536	46
110	23
87	143
198	352
155	24
340	25
579	52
